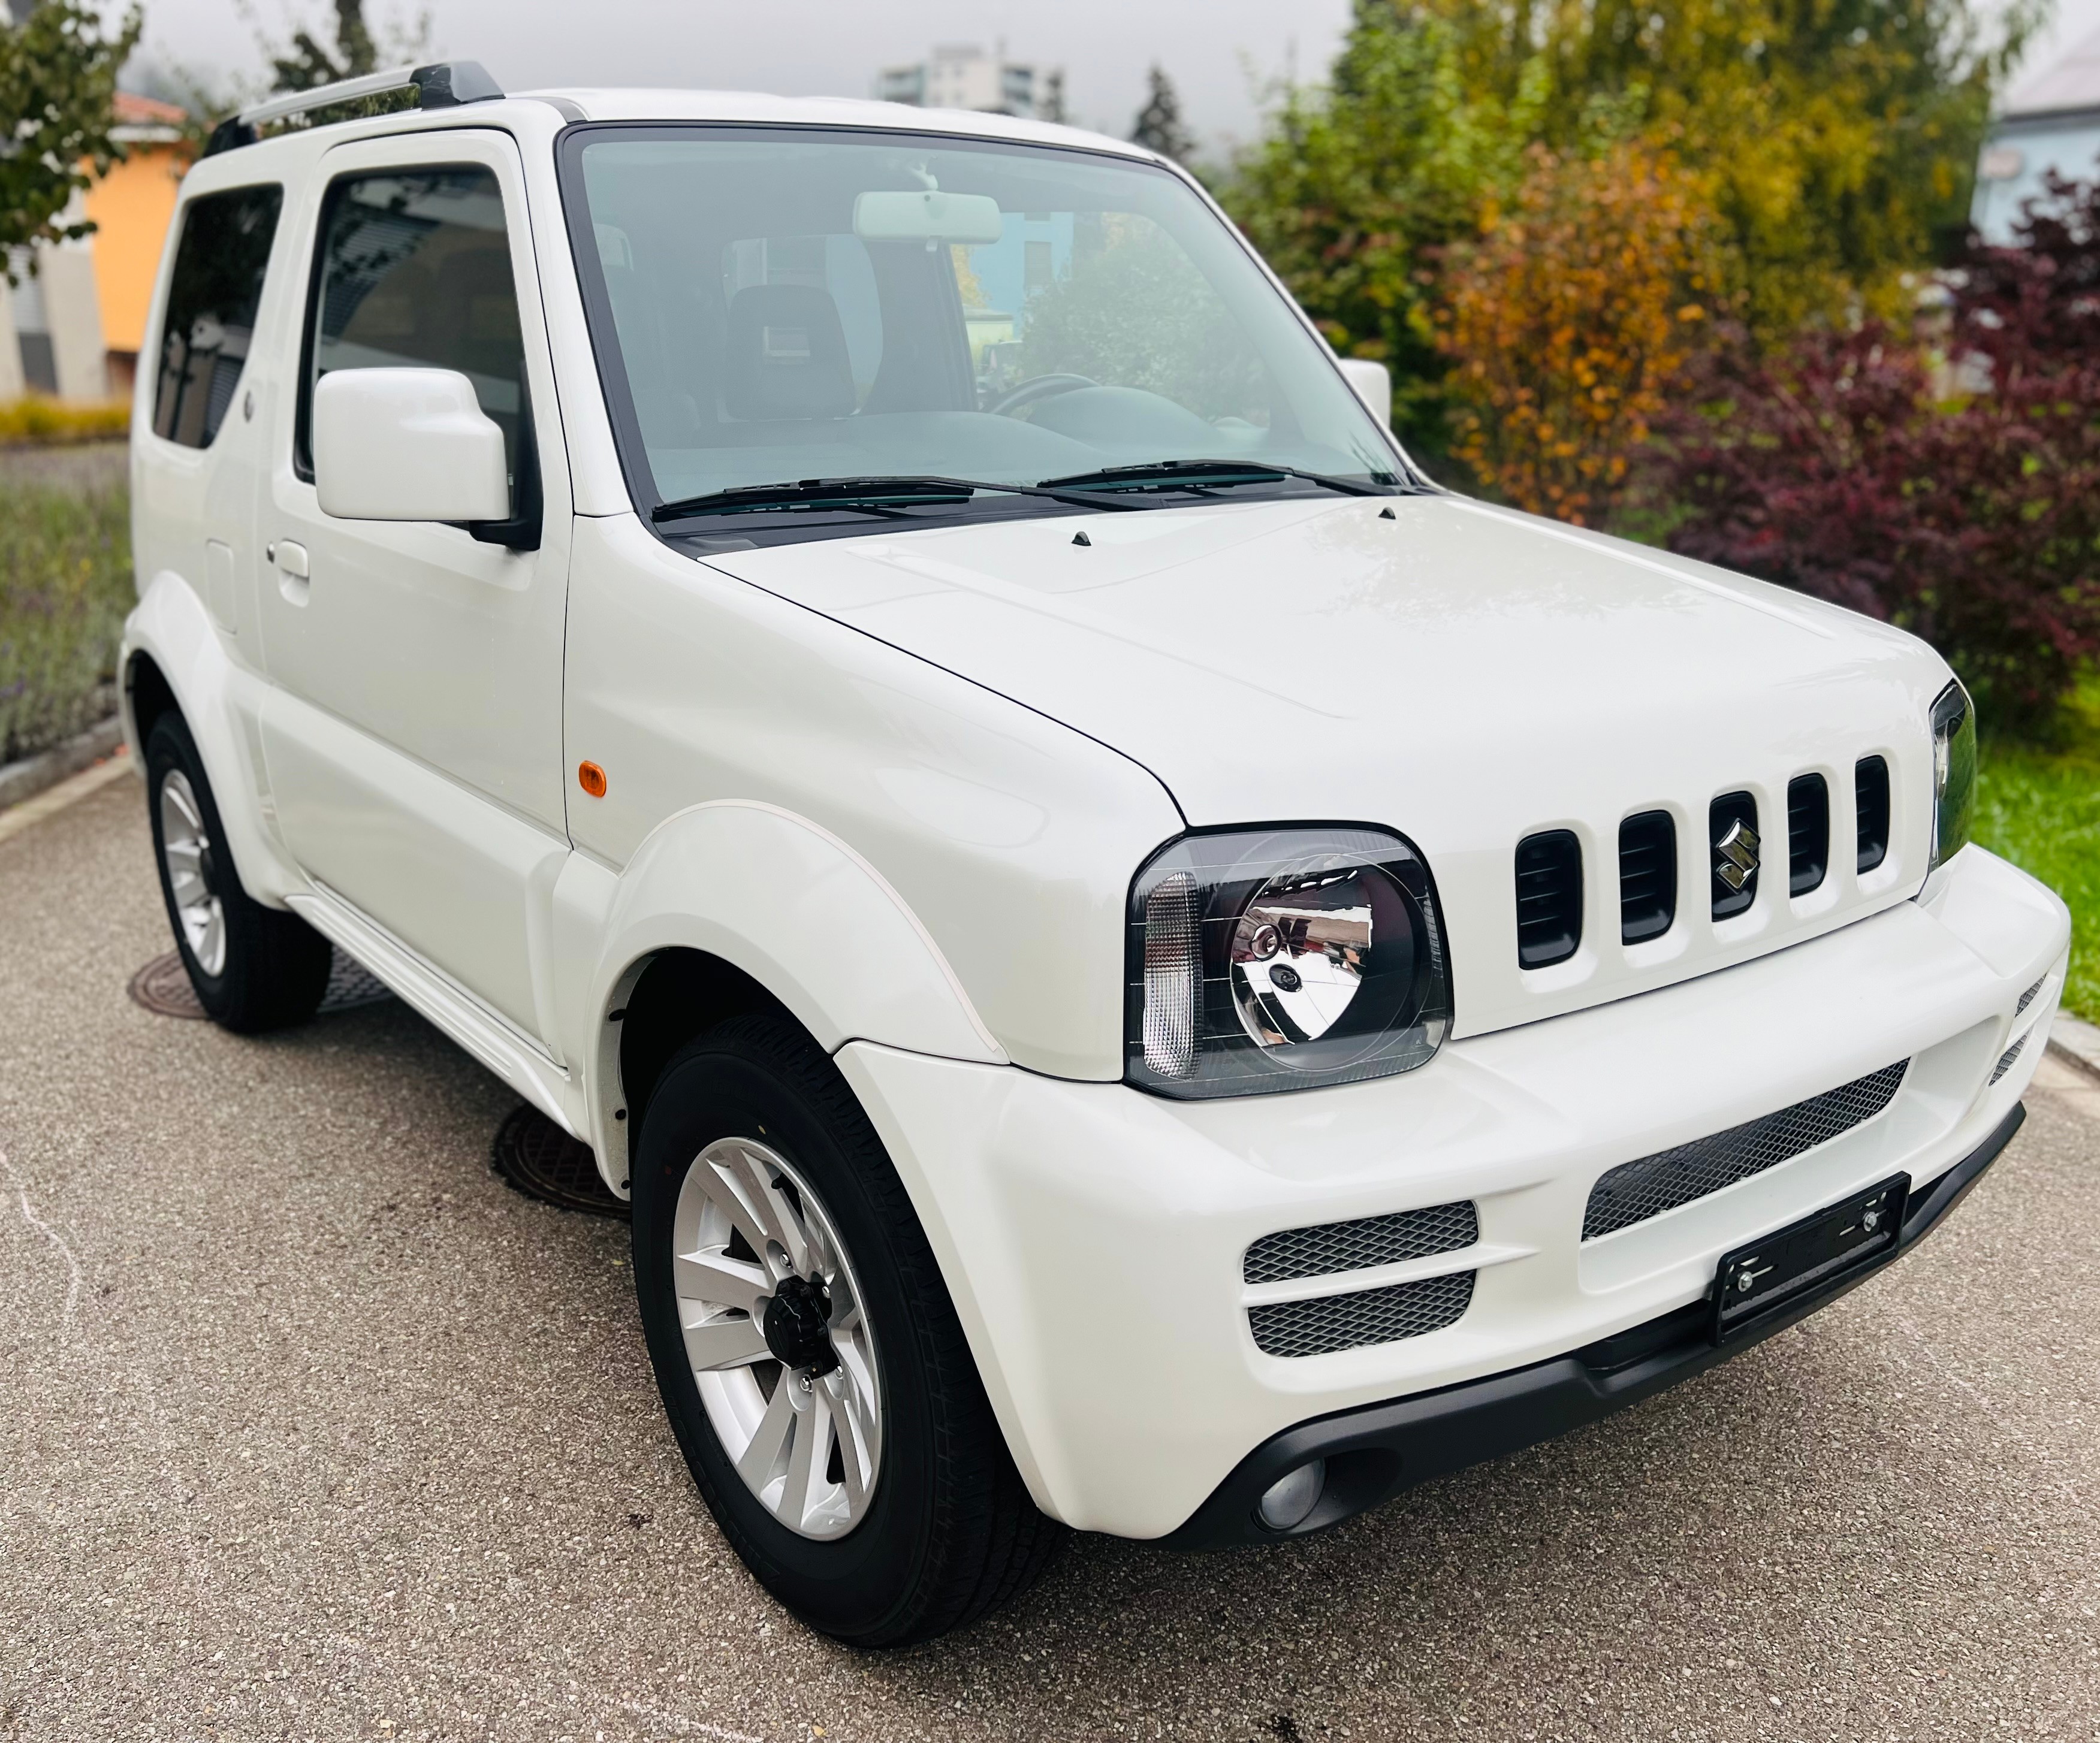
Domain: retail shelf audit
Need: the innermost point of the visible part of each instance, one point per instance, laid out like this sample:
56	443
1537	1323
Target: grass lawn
2041	809
65	586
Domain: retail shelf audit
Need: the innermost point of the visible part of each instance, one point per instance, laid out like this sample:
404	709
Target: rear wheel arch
148	695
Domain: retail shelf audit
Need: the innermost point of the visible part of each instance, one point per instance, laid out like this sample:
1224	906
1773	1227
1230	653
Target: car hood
1462	674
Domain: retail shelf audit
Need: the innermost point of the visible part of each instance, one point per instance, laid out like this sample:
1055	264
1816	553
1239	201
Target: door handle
290	556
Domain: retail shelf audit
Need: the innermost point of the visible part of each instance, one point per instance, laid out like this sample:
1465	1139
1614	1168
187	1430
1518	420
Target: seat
787	356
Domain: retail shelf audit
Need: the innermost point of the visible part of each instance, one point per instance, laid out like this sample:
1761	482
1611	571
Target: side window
216	288
414	272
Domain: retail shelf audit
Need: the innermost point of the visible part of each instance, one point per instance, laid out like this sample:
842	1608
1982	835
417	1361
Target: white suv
1142	966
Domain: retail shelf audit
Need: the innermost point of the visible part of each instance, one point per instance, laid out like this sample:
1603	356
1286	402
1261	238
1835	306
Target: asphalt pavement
310	1427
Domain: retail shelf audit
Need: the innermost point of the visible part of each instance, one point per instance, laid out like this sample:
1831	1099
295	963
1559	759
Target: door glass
213	296
414	272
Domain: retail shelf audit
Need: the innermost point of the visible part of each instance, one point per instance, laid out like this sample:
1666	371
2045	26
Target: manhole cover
543	1162
163	987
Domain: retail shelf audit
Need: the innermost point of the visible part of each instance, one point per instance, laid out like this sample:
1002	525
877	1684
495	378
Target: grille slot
1647	876
2007	1059
1807	833
2027	997
1870	795
1723	817
1549	898
1329	1323
1357	1246
1635	1191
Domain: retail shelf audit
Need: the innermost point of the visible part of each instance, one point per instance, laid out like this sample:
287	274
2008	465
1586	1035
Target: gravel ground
310	1427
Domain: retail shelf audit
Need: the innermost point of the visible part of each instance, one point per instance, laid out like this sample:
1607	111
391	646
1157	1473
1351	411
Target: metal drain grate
543	1162
163	987
1329	1323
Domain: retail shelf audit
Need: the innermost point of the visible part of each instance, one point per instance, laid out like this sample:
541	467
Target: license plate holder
1763	1277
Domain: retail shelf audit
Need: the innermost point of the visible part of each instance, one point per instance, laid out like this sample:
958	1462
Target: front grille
2006	1059
1729	813
1357	1246
1647	876
1329	1323
1870	793
2027	997
1549	898
1635	1191
1807	833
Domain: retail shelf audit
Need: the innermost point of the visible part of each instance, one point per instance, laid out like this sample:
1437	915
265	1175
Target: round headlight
1280	959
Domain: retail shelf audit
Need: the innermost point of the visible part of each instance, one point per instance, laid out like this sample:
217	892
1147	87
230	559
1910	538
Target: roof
135	111
646	105
2069	84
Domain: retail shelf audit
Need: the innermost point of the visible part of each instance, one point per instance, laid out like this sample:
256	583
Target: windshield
786	306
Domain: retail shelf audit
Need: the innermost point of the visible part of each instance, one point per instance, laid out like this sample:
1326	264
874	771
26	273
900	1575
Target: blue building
2052	122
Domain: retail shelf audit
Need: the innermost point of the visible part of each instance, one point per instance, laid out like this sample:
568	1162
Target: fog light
1288	1500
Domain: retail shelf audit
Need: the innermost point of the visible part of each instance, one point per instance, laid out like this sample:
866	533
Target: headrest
786	355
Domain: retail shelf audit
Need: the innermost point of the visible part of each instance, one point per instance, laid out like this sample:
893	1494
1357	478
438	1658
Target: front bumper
1093	1236
1373	1452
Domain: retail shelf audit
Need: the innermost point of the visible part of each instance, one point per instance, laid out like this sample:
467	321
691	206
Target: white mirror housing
407	445
1373	384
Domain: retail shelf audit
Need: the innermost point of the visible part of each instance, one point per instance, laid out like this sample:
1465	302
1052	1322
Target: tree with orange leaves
1570	320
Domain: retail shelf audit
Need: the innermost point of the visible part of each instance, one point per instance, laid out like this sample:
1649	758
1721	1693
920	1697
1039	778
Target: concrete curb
34	774
2076	1043
31	811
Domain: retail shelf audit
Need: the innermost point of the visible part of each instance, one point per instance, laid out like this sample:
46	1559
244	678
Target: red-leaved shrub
1974	521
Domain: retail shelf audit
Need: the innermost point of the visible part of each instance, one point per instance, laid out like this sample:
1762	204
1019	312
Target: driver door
413	730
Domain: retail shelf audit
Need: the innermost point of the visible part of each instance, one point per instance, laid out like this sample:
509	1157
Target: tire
254	968
946	1530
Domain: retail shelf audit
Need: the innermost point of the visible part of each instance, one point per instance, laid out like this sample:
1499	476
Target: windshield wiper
1188	473
869	495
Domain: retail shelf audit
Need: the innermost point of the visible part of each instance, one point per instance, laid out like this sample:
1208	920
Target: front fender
794	907
221	703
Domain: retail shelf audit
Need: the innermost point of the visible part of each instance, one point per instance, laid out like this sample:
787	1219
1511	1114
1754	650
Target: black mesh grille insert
2027	997
1549	898
1733	818
1807	833
1329	1323
1357	1246
1870	792
2007	1059
1635	1191
1647	876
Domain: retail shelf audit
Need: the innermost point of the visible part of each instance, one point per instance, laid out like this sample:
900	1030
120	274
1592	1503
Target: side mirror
1372	385
407	445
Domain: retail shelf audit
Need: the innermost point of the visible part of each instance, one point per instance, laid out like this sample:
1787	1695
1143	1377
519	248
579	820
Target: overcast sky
1220	54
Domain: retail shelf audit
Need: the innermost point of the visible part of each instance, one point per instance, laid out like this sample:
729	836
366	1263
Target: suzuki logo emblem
1735	855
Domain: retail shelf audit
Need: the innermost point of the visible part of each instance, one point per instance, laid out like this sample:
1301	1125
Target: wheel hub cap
797	1326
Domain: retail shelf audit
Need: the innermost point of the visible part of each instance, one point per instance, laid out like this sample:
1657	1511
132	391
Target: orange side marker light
591	778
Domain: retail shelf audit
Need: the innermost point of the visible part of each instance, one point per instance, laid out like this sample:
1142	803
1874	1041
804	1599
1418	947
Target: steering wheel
1036	388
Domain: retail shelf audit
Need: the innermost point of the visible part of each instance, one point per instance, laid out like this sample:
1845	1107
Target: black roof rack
445	85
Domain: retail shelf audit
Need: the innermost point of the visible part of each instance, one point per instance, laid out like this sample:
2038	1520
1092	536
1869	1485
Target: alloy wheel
778	1337
186	849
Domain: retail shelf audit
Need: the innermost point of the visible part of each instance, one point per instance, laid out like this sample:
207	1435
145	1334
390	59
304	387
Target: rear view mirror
407	445
929	216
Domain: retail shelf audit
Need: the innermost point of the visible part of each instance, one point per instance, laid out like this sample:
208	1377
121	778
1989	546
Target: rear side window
414	272
213	296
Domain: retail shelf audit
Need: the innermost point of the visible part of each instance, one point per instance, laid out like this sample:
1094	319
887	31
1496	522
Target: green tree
1159	126
1356	189
58	86
306	64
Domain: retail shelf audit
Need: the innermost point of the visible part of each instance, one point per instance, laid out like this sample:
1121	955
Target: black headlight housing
1285	958
1953	772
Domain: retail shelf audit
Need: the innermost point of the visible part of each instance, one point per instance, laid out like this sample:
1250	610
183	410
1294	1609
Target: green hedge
65	586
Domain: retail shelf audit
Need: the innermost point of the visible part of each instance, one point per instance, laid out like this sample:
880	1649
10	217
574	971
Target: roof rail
445	84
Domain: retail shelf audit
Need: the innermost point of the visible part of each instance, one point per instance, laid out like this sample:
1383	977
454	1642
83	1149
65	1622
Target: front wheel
809	1356
253	968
